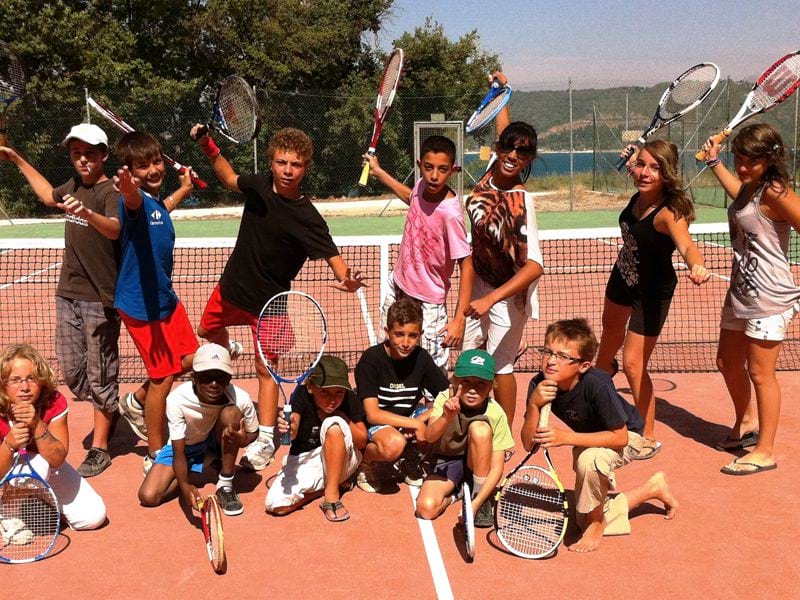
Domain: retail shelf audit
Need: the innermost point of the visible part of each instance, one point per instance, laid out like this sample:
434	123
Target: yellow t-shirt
501	432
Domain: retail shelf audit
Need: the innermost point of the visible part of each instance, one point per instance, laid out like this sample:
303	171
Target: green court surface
363	225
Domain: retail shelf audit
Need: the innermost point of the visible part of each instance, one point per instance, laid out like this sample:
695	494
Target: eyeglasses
561	358
17	381
523	152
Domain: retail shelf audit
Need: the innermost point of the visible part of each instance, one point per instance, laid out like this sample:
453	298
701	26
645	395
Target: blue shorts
452	468
373	429
195	453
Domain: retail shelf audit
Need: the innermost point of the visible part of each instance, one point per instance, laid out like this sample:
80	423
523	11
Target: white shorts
772	328
305	472
500	329
434	319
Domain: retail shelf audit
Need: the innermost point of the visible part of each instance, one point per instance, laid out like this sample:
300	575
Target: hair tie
776	147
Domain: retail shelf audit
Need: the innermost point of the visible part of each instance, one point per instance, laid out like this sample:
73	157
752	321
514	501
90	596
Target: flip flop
750	468
649	450
746	441
334	511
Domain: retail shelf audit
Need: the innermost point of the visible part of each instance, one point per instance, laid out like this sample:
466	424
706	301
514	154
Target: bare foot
591	538
660	489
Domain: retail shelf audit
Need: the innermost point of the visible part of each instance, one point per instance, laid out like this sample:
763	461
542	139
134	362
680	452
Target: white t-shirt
189	419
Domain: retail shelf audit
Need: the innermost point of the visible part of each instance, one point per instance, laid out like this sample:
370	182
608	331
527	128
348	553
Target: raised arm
728	180
41	187
222	168
401	190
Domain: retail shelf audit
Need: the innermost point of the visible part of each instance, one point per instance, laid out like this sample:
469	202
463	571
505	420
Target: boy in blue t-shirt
604	430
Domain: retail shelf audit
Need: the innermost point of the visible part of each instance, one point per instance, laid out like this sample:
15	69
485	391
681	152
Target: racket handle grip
623	160
203	130
286	438
717	139
364	175
196	180
544	415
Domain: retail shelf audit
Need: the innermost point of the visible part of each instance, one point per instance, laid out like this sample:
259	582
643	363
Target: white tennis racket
236	112
468	519
12	85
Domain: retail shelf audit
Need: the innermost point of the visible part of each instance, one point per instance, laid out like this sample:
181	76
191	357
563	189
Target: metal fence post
571	152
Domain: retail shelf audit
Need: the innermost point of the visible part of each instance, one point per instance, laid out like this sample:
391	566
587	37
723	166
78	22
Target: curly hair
42	372
292	139
763	141
677	200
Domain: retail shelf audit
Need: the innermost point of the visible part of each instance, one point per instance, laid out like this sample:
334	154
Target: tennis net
577	265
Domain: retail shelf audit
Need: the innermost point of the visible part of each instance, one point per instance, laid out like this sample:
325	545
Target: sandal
649	450
334	511
746	441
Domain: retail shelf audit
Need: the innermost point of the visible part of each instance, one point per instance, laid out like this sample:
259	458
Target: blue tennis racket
492	103
29	513
291	334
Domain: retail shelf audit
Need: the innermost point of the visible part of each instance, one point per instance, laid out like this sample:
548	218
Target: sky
603	43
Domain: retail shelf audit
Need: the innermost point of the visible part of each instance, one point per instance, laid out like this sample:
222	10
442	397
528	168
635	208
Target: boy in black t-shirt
391	378
604	430
328	433
280	229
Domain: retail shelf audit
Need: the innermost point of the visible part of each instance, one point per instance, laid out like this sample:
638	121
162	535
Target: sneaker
484	518
97	460
367	477
147	464
411	468
133	412
235	349
259	454
229	501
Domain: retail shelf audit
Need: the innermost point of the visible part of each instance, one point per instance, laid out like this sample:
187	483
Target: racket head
688	90
29	514
389	82
776	84
12	75
211	516
291	334
531	513
468	519
236	110
492	103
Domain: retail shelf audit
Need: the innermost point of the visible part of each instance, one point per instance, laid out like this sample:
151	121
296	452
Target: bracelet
209	147
5	441
44	433
713	163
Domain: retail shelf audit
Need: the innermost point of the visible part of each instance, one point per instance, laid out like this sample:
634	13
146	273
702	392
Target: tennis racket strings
779	83
688	90
487	113
29	518
12	75
293	330
390	81
238	114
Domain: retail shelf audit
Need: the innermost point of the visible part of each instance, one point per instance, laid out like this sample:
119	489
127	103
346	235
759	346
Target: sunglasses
523	152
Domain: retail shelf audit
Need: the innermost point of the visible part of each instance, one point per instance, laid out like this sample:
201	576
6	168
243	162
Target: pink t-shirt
53	410
434	238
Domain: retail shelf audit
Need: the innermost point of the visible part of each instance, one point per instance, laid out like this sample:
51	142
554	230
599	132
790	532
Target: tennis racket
236	113
211	516
386	92
492	103
291	334
468	519
12	85
117	121
683	95
29	513
774	86
531	513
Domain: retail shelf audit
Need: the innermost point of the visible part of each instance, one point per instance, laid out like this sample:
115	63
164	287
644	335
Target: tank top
761	278
645	259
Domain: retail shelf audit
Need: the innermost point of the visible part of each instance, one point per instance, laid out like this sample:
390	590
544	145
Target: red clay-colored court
732	537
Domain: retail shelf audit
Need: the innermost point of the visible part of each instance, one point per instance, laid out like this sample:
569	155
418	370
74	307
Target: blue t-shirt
144	285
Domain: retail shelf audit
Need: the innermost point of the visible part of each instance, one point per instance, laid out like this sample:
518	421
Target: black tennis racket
774	86
211	517
493	102
291	335
386	92
12	85
682	96
29	513
468	519
531	512
236	113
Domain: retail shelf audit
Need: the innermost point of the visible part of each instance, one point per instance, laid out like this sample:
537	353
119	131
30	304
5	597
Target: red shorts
162	344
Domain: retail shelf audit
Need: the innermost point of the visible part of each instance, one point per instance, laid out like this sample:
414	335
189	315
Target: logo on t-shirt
76	220
155	218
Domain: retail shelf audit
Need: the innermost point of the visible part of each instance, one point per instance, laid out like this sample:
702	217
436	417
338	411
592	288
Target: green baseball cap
331	371
475	363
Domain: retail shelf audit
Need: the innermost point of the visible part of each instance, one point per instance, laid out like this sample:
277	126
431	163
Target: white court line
27	277
435	562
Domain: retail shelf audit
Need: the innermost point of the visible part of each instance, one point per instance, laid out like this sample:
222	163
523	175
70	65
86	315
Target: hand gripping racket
236	113
531	513
117	121
291	334
211	516
682	96
386	93
12	85
774	86
468	519
492	103
29	513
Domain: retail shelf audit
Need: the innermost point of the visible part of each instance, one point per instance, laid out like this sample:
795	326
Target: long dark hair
763	141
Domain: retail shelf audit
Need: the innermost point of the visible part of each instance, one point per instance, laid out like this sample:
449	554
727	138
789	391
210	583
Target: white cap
86	132
212	357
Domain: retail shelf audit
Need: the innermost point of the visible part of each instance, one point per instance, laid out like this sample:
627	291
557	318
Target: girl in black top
641	285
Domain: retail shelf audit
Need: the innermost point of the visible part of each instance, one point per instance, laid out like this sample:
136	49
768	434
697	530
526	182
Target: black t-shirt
276	236
91	260
307	437
593	405
397	384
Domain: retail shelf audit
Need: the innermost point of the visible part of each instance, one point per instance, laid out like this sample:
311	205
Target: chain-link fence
581	132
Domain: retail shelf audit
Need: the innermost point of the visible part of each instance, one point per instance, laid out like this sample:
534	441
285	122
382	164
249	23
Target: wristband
713	163
209	147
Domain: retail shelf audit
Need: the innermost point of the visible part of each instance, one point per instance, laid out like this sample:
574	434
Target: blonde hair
42	372
677	200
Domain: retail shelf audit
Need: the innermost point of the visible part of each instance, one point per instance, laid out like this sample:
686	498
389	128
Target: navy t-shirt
307	437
